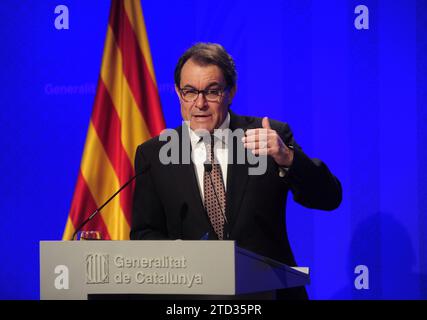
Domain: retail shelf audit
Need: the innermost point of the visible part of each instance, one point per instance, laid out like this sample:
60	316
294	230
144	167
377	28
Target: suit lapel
237	173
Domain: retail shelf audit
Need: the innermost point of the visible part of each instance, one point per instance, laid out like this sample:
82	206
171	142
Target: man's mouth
200	117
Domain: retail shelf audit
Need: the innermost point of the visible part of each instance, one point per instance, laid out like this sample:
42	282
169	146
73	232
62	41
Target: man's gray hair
205	53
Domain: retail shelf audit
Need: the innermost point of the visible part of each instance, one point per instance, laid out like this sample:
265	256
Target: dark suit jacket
167	202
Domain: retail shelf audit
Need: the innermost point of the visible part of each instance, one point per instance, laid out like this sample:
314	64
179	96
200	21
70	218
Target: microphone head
144	169
208	167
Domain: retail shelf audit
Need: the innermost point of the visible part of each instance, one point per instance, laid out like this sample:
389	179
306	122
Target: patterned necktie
212	201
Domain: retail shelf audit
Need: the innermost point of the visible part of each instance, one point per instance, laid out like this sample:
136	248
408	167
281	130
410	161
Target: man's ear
232	93
177	91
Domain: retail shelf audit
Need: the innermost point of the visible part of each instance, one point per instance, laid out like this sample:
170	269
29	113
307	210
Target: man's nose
201	101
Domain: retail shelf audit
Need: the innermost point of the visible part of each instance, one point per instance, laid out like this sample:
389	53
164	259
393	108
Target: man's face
201	113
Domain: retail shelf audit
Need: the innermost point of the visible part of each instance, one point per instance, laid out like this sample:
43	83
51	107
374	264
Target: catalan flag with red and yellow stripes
126	112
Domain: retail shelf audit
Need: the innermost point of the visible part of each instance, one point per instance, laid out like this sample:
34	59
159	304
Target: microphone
143	170
208	169
205	236
182	216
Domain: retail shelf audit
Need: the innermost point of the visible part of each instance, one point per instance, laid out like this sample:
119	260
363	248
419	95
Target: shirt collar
196	138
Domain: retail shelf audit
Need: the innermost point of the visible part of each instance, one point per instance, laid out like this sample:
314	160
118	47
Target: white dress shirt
198	153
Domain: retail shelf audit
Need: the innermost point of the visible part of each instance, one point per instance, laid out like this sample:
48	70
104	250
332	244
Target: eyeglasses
211	95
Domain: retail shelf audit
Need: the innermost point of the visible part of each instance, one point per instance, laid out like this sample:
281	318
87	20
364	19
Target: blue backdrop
356	99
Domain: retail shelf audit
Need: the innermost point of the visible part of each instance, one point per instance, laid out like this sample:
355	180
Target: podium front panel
74	269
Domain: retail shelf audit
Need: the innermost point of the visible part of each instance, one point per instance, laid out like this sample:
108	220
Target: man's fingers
255	137
257	131
266	123
256	144
261	151
261	141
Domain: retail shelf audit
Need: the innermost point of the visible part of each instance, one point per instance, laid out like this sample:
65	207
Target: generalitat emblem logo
97	268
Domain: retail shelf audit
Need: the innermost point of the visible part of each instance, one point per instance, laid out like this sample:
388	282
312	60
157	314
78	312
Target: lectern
77	269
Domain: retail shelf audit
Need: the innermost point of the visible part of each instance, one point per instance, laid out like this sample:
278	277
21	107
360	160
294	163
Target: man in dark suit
190	200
